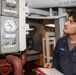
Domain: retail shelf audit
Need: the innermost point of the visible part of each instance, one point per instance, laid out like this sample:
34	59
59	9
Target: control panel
10	8
9	26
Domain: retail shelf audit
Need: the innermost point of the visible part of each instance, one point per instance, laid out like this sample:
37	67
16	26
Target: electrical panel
9	26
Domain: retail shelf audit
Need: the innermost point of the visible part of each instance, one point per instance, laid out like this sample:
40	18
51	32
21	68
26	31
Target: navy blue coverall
63	59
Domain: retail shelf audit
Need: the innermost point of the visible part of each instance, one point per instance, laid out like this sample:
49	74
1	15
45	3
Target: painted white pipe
50	3
48	17
39	12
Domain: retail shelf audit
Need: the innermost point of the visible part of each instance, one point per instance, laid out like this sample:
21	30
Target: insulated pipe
39	12
50	3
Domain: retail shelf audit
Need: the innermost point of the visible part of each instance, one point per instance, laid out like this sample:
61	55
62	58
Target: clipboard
46	71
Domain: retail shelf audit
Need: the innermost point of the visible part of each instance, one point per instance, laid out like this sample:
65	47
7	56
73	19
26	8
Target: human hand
48	65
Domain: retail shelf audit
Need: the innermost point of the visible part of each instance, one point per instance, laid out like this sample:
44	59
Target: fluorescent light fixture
50	25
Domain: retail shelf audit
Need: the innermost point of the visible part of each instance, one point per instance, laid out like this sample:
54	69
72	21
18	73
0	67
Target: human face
70	26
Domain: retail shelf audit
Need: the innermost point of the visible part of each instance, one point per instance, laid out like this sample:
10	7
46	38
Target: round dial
10	26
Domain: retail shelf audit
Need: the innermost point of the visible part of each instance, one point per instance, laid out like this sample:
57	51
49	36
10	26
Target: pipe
5	67
39	12
49	17
50	3
18	62
23	57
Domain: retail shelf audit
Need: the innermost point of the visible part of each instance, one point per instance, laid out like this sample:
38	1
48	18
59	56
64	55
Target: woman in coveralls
64	57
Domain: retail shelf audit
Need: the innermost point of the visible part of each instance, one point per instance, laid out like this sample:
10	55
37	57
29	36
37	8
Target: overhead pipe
50	3
39	12
52	17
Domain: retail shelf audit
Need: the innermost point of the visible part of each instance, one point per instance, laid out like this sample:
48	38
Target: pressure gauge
10	26
11	3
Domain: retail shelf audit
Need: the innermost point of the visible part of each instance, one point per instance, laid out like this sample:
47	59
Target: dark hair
72	13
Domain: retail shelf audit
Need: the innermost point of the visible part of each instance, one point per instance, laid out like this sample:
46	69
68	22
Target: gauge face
10	26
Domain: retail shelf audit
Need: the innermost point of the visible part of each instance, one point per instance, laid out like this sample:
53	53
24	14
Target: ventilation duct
50	3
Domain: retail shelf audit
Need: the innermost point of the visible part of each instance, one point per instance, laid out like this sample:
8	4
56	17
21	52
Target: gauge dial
10	26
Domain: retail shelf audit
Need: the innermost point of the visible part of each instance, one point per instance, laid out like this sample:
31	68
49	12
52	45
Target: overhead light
50	25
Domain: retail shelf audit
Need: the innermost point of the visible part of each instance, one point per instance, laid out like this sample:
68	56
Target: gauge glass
10	26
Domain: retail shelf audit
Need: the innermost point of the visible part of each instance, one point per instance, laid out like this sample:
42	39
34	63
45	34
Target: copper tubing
23	57
5	67
17	62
